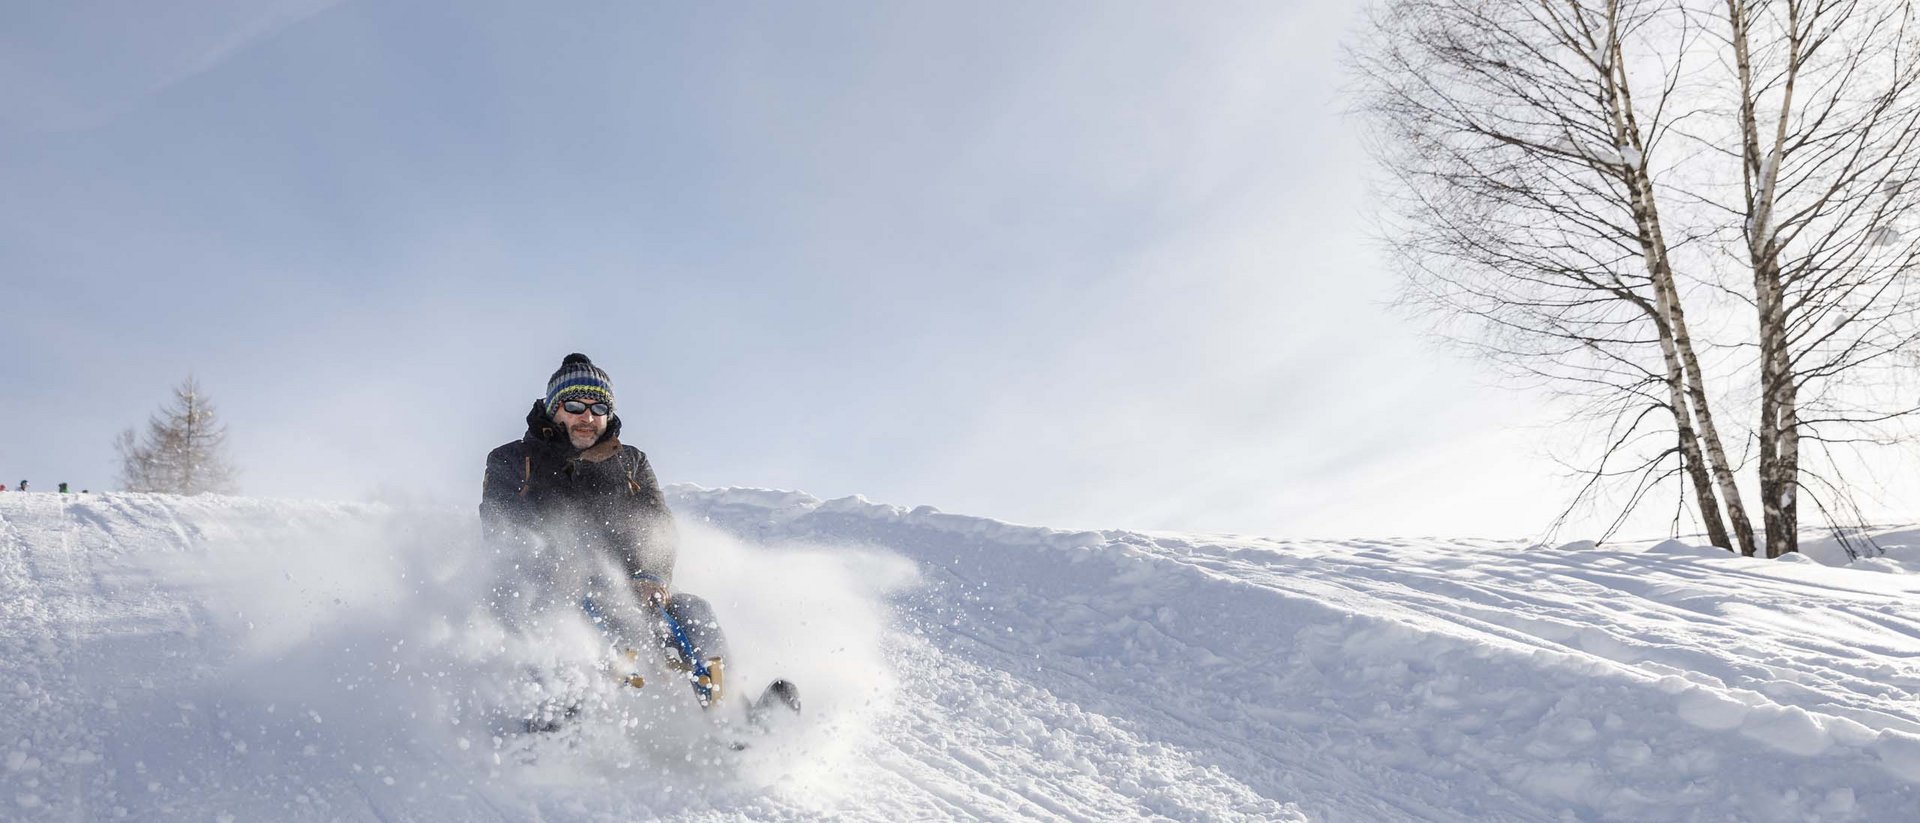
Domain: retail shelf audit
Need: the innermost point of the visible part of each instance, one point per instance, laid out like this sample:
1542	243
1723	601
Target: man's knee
690	608
695	618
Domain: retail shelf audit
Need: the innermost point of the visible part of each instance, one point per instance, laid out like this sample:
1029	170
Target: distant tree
183	452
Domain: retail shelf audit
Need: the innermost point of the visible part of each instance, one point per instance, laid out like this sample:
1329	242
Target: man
583	516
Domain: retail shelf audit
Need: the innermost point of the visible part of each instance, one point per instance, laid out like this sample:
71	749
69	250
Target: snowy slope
240	659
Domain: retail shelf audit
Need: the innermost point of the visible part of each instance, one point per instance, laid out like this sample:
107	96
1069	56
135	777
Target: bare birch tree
1523	143
1828	115
1539	149
183	451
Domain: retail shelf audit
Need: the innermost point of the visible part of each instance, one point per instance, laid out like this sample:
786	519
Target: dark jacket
542	492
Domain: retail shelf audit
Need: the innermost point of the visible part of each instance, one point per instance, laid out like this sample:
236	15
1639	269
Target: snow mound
1896	551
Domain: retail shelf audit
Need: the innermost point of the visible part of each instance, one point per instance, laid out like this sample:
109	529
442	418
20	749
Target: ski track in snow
239	659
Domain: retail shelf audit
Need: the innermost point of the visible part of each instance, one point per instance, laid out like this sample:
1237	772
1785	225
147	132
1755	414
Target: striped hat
578	378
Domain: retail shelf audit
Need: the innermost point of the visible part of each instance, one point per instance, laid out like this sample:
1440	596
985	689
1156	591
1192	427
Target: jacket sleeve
647	531
503	515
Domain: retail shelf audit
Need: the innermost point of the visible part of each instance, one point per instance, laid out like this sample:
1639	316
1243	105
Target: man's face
583	428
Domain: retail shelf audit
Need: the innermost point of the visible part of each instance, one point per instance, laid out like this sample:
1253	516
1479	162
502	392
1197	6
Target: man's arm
502	509
645	532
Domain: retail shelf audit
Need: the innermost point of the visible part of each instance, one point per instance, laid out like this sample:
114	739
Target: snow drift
241	659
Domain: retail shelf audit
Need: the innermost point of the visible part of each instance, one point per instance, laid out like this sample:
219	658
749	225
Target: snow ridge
1482	680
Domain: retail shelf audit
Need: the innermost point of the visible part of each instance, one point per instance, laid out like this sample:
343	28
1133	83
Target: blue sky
1080	264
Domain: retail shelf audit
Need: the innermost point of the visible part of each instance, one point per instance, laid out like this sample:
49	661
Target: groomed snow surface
233	659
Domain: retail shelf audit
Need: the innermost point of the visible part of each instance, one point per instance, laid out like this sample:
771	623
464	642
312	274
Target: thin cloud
93	61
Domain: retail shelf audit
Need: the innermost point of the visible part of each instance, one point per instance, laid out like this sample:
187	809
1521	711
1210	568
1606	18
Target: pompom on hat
578	379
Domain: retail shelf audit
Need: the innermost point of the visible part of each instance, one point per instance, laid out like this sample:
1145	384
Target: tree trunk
1684	397
1744	542
1779	424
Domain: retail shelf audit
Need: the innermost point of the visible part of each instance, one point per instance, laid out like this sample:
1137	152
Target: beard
582	439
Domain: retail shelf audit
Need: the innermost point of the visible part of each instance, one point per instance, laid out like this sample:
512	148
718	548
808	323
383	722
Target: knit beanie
578	378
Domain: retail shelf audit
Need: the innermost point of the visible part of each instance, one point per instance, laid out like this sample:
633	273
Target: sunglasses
576	407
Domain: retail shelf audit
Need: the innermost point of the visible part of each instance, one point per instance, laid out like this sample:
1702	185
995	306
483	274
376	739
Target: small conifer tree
183	452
